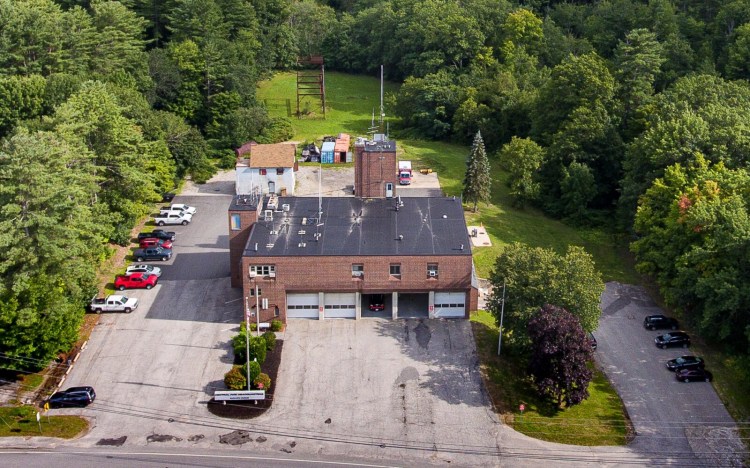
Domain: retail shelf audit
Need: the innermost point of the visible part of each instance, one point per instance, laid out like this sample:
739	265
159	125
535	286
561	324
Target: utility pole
502	313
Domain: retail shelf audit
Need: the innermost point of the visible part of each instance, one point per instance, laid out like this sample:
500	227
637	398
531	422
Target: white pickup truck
173	217
113	303
178	208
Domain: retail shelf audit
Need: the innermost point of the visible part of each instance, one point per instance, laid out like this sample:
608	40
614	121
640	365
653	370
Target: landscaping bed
252	409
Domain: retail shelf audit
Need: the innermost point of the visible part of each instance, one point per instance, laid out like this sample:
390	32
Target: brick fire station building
333	257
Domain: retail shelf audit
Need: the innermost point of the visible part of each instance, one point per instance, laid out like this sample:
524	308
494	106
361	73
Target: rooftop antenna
382	109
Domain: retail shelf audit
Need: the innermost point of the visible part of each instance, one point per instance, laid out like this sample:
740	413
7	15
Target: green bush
253	326
238	346
276	325
262	382
254	371
258	349
121	235
270	338
235	379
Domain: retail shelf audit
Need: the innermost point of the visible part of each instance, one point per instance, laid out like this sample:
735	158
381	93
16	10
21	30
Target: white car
173	217
180	207
143	268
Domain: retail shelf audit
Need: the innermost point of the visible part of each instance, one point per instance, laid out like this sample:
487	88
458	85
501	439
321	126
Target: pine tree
477	181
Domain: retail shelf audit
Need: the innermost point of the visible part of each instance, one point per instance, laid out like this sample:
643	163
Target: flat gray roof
354	226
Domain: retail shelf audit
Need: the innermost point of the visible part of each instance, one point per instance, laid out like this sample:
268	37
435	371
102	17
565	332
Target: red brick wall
237	241
371	173
333	274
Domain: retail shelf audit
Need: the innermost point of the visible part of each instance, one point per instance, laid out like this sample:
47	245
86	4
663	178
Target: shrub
276	325
270	338
235	379
253	326
254	371
238	346
262	382
258	349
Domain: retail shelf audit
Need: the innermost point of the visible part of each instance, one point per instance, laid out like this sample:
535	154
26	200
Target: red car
135	280
154	242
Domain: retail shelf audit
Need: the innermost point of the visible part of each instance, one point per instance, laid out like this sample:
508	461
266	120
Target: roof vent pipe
256	246
400	237
462	246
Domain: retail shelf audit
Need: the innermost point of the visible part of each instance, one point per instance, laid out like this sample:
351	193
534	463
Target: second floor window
395	270
358	270
263	270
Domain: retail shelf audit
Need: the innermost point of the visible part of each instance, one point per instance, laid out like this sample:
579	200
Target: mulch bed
252	409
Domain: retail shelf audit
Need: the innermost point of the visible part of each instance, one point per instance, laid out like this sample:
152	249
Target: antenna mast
382	108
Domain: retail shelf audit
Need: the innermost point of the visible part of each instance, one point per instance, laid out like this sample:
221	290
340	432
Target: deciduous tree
560	353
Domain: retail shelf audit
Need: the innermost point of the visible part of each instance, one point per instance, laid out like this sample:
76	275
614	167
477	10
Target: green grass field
20	421
350	102
599	420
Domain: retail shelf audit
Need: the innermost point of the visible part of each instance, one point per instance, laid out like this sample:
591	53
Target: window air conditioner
432	273
272	274
252	274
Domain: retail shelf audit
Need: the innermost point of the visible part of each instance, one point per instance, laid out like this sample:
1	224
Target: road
673	420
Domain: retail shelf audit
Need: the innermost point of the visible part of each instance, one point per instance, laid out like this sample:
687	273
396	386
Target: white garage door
340	305
450	304
302	305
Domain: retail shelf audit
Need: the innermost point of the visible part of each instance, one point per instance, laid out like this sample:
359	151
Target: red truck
154	242
135	280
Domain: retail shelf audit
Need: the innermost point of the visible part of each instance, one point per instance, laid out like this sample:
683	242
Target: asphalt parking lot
165	359
673	421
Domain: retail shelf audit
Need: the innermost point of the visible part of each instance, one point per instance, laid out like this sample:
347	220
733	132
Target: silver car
143	268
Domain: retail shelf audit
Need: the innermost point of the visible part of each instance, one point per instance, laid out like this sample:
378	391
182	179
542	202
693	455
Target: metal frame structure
311	81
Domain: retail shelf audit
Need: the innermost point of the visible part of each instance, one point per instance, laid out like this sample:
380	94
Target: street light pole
502	313
247	341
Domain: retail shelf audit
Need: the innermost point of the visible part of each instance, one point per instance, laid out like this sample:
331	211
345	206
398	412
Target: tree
535	276
51	242
738	65
560	353
477	181
522	158
577	189
638	59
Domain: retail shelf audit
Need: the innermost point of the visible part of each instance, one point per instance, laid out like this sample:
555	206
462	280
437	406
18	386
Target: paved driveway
674	421
166	358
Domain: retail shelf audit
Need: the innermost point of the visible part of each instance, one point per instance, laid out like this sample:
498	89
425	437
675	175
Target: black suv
685	362
655	322
74	396
668	340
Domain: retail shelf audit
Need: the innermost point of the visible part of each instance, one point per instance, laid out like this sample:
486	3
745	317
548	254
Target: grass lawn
350	101
600	420
20	421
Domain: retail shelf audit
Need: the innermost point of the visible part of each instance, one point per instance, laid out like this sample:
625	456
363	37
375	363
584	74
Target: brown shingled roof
275	155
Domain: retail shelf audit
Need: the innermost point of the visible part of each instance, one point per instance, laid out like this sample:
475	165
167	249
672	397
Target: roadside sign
239	395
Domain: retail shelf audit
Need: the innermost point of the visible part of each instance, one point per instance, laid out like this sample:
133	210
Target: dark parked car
669	340
377	302
656	322
167	197
157	234
691	375
157	253
74	396
685	362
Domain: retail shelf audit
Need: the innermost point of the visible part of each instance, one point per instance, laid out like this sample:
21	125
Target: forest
630	115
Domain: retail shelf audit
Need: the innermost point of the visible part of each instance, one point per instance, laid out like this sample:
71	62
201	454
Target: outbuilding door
340	305
450	304
302	305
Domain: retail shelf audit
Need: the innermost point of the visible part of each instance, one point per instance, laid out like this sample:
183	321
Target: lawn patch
20	421
599	420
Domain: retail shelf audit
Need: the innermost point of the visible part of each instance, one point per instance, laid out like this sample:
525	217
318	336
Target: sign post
39	421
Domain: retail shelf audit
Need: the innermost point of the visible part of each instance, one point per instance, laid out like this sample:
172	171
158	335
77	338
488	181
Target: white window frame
358	270
266	271
432	267
397	267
